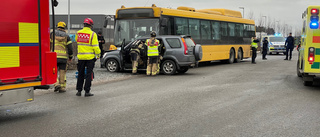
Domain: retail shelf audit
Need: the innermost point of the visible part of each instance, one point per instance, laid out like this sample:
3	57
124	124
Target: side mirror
164	22
105	24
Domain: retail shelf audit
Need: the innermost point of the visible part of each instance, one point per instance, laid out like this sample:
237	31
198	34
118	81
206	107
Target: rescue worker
153	54
254	46
265	48
63	48
88	50
135	55
289	46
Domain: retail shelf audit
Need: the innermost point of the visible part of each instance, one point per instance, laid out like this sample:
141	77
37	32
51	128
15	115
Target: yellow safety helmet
61	24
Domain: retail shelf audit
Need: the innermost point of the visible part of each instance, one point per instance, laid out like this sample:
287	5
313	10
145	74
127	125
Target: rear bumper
16	96
277	50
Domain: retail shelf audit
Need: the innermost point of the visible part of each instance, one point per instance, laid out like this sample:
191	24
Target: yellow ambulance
308	65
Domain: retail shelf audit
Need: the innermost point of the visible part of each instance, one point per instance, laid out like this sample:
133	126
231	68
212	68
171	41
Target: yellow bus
223	34
308	65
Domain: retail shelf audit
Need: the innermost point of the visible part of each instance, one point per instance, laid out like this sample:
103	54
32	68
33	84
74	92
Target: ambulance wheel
112	65
298	70
168	67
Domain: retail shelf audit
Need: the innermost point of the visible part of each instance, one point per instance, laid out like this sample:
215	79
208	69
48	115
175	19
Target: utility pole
69	17
265	23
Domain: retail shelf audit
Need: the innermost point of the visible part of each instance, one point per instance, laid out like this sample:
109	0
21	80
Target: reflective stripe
87	53
64	57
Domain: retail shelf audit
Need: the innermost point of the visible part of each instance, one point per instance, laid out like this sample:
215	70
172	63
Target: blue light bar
314	25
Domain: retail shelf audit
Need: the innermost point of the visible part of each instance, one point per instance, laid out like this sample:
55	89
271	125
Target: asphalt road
240	99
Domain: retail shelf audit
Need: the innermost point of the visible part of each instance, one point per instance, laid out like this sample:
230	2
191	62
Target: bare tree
251	15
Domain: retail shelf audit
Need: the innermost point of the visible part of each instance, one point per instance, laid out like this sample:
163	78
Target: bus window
231	27
131	29
215	30
181	26
205	30
194	28
224	29
240	30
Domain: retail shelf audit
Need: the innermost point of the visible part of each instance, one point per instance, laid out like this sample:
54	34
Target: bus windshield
131	29
277	39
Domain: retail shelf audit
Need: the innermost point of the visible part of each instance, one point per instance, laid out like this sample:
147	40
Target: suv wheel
183	69
169	67
112	65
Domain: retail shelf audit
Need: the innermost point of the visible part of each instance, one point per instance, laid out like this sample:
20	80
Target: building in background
103	23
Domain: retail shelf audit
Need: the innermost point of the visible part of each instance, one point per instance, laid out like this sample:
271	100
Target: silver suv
179	55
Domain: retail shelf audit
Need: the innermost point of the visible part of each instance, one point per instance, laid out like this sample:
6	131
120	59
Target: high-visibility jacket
88	45
254	44
153	47
62	44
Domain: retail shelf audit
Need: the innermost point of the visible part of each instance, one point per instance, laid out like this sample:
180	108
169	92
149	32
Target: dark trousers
254	54
287	52
264	53
82	64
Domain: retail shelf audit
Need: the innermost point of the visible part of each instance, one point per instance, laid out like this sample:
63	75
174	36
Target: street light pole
265	23
242	11
69	17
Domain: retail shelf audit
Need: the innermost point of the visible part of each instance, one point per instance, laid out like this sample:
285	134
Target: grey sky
286	11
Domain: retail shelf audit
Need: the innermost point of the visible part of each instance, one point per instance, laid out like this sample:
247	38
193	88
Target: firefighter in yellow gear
88	53
135	55
153	54
63	48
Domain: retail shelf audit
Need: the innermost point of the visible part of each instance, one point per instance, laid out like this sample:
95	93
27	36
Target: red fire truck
25	58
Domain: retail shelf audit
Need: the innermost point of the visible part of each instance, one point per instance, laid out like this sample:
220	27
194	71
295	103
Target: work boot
88	94
57	88
78	93
62	90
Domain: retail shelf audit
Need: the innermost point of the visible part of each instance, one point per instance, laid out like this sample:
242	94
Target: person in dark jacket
289	46
265	48
101	42
63	48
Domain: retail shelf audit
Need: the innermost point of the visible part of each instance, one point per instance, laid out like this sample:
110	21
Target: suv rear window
189	42
174	42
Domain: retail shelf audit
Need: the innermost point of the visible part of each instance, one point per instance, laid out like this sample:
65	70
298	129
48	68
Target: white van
276	44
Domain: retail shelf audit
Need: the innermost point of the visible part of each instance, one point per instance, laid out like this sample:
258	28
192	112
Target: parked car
276	44
180	54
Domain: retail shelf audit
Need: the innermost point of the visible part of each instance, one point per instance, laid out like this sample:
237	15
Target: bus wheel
307	83
239	57
298	70
231	57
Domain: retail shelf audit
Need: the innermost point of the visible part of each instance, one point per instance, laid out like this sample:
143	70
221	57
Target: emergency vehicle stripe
316	39
17	44
28	33
315	65
9	57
